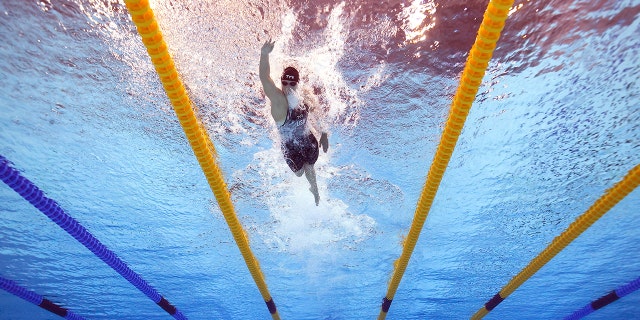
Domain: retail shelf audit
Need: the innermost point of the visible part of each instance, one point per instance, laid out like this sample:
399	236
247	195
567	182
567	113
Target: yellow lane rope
608	200
474	70
203	148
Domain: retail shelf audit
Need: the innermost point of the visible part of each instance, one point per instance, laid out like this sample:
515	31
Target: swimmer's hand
267	47
324	142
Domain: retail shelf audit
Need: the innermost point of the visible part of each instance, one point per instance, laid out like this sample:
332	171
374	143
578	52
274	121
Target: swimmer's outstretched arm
279	104
265	68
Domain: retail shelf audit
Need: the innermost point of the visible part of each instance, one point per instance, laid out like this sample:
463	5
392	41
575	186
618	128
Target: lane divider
607	201
605	300
30	192
38	300
474	70
203	148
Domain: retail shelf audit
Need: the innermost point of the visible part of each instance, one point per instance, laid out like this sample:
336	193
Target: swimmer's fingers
267	47
324	142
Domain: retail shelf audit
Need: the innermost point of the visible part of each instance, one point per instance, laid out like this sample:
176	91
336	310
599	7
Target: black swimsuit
299	145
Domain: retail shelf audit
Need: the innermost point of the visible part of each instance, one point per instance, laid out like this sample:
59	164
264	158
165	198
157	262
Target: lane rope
40	301
203	148
607	201
605	300
30	192
474	70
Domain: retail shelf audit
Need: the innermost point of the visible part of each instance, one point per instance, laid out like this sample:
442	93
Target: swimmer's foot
316	195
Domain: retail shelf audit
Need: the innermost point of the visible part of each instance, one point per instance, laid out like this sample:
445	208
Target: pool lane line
607	201
40	301
30	192
605	300
204	150
474	70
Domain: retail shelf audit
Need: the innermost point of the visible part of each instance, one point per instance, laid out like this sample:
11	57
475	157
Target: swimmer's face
287	83
289	86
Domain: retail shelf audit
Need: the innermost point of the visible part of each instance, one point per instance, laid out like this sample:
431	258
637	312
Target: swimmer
291	114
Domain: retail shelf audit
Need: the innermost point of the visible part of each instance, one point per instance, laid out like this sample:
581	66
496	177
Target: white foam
296	224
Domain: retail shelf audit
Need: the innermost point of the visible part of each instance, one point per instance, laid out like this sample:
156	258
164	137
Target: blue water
555	124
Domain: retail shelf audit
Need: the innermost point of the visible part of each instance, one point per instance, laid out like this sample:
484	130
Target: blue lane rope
38	300
51	209
605	300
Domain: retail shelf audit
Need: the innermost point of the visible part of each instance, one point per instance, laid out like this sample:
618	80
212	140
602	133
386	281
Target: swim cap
290	74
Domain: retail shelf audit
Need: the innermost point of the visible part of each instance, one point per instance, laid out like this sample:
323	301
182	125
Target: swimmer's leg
310	173
300	172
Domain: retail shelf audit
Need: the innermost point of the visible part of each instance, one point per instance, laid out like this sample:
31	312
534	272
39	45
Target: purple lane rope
38	300
53	211
605	300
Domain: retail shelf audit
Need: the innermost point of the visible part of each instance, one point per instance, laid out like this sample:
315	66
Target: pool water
555	124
